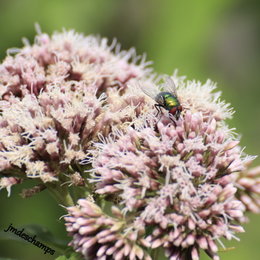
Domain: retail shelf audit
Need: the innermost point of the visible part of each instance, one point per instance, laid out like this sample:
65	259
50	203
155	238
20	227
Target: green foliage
73	256
42	234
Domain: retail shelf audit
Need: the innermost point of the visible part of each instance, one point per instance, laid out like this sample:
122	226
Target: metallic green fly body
166	99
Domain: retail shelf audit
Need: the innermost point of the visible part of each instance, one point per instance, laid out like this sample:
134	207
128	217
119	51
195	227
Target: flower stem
155	254
61	194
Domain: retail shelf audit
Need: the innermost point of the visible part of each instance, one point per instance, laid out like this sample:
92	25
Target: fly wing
169	85
149	89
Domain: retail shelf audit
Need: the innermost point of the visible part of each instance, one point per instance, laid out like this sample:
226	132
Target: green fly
166	97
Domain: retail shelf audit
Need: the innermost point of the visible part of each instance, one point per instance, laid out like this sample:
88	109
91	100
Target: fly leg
172	118
158	108
159	111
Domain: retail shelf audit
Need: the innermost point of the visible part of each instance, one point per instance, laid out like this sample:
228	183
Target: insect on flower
166	97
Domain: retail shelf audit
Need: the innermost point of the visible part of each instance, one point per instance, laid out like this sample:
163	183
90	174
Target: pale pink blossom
75	117
248	184
56	96
96	235
8	182
172	177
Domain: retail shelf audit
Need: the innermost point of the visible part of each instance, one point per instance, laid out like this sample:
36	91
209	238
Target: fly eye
160	100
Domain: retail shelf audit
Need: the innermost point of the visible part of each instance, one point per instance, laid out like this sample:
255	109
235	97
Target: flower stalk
61	194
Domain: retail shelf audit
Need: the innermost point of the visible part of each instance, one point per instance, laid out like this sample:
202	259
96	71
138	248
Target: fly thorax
171	101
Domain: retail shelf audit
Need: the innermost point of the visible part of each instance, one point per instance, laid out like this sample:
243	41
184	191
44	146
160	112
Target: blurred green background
217	39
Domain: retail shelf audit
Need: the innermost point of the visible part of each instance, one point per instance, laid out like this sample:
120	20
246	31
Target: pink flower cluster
56	96
176	180
72	114
99	236
248	183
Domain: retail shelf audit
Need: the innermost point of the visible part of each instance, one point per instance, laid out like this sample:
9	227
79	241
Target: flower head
97	235
177	179
71	113
56	96
248	185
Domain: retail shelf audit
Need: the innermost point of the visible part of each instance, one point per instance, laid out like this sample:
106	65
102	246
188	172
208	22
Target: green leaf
73	256
42	234
3	258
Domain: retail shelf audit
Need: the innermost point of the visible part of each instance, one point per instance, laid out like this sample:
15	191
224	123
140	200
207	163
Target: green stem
155	254
60	193
80	192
